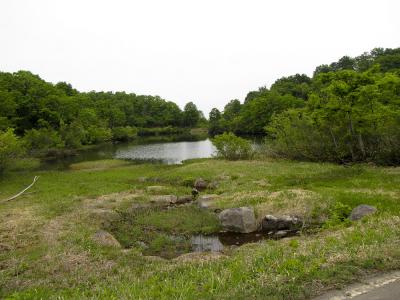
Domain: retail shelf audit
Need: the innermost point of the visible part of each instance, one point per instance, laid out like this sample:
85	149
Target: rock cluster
243	220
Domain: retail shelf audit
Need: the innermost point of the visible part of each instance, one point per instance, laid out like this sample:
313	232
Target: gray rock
163	199
200	184
184	199
105	238
272	223
361	211
240	219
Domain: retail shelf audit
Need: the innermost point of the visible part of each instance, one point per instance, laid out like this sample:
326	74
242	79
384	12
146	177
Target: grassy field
47	249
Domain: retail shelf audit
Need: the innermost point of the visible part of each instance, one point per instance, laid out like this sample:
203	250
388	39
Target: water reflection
142	149
170	153
216	243
202	243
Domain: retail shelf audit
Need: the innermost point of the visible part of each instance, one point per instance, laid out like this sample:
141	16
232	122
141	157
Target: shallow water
217	242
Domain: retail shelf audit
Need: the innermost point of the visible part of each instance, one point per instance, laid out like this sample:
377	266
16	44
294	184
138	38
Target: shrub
95	135
73	135
43	139
339	215
124	133
232	147
10	148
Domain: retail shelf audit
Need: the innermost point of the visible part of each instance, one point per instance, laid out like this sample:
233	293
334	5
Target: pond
163	149
217	242
168	151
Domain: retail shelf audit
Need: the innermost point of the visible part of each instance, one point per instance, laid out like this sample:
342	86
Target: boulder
200	184
105	238
184	199
163	199
361	211
272	223
240	219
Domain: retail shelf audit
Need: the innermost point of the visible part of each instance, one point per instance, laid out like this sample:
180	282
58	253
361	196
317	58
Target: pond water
217	242
164	149
170	153
167	151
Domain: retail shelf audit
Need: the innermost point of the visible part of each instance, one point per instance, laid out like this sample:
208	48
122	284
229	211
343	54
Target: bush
339	215
10	148
124	133
73	135
156	131
43	139
232	147
95	135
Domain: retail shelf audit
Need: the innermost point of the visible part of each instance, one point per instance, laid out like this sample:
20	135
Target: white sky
204	51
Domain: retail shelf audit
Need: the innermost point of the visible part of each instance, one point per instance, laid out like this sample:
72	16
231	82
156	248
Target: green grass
46	250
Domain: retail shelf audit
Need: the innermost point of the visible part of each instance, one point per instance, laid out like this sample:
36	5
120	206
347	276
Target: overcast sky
204	51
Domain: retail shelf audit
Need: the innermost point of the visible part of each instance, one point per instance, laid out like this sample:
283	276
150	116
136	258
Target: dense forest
348	111
51	116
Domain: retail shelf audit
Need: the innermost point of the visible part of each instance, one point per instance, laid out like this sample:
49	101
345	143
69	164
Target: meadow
47	250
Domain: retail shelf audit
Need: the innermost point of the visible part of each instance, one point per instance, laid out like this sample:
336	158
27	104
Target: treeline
348	111
49	116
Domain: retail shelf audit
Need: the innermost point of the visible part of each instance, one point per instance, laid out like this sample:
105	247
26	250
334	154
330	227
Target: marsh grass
46	249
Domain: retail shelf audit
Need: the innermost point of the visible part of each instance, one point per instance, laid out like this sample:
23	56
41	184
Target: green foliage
157	131
29	103
10	149
252	116
42	139
124	133
191	115
349	111
350	116
339	215
231	147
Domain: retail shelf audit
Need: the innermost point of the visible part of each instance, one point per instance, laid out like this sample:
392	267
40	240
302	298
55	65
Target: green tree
191	115
215	122
10	149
